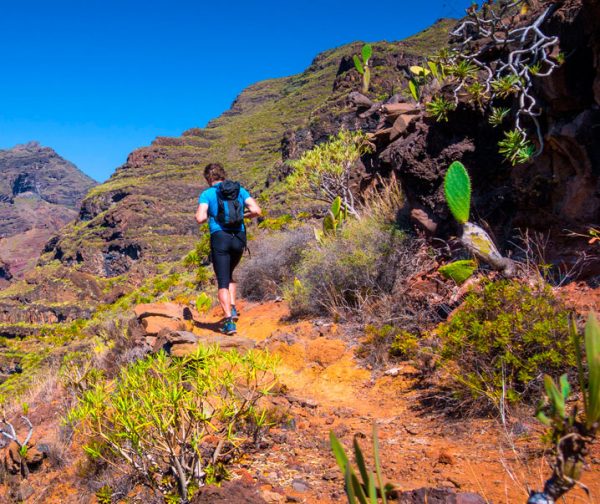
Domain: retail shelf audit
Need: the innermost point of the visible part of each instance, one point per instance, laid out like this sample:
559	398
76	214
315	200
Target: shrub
345	274
382	342
199	258
323	173
263	275
176	422
505	337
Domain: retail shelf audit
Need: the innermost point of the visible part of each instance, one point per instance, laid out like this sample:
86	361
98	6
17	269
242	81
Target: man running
225	204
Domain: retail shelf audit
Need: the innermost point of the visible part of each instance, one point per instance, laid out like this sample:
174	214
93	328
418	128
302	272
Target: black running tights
227	249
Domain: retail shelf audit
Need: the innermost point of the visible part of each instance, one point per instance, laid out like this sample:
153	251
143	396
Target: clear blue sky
94	79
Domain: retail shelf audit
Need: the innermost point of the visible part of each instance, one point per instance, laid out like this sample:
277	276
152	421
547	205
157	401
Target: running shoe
234	314
229	327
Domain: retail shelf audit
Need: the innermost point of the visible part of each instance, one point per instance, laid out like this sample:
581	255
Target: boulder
181	343
167	338
169	310
154	324
12	458
401	123
396	109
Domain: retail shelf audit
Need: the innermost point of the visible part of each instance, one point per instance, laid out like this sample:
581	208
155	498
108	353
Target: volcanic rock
40	192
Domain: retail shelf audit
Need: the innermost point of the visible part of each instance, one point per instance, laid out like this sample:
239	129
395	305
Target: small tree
323	173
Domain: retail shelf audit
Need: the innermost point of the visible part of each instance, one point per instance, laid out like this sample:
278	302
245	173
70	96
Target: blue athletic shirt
209	197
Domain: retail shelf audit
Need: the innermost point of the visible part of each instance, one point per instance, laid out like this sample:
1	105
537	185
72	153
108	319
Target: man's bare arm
202	213
252	209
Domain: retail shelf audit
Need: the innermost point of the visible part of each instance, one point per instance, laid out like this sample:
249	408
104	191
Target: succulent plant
203	302
371	488
439	108
457	188
336	215
363	65
571	432
459	271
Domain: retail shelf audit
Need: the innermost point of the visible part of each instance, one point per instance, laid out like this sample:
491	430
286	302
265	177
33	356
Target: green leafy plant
176	422
414	89
336	215
459	271
515	147
420	77
277	223
457	188
405	345
363	66
571	433
497	115
198	258
371	488
437	70
104	495
439	108
507	85
203	302
463	70
478	93
77	372
535	69
323	173
501	339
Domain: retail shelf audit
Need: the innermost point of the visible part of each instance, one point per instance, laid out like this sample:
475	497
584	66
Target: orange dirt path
327	389
419	449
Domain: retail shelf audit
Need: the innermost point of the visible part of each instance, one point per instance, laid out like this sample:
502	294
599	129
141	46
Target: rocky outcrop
40	170
556	191
41	314
40	192
161	326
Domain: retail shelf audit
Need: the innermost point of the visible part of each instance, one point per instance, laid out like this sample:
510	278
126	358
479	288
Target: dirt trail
328	389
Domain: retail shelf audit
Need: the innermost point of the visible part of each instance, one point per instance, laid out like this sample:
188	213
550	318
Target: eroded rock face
40	192
557	191
41	314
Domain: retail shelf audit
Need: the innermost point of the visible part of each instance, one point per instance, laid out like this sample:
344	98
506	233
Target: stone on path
181	343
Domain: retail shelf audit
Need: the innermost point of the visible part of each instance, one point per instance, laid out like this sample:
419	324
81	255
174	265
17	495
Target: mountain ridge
40	192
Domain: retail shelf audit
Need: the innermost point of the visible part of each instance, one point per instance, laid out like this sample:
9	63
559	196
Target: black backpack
230	214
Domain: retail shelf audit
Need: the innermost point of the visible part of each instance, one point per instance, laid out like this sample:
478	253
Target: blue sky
97	79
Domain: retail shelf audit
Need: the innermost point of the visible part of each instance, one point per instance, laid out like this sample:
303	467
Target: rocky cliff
40	192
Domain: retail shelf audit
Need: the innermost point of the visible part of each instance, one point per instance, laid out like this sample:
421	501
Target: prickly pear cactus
459	271
457	188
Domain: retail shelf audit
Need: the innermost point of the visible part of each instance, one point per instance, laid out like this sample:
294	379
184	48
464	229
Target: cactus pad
457	187
358	64
459	271
367	52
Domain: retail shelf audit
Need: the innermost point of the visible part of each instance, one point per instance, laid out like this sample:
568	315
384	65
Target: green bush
199	258
177	422
508	335
347	273
324	172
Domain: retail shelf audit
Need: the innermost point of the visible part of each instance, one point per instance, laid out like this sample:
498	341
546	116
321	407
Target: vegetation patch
177	422
502	339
